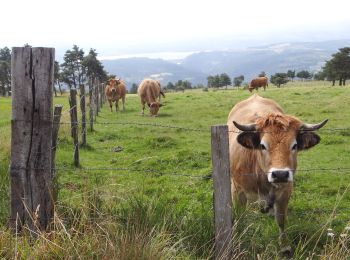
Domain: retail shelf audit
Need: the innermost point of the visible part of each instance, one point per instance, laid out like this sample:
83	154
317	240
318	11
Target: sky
122	27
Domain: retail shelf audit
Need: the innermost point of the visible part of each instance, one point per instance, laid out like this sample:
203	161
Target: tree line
75	70
337	68
78	68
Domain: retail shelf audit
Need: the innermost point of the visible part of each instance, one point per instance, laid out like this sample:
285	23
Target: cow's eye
262	147
294	147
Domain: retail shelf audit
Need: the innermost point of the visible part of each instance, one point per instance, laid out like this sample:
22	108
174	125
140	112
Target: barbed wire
78	123
161	173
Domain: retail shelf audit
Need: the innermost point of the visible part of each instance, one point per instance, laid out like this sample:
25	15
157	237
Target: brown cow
258	83
115	90
264	143
149	91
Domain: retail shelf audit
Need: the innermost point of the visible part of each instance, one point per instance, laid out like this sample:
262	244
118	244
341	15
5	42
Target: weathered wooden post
83	115
31	142
91	105
55	128
74	125
222	192
97	97
101	95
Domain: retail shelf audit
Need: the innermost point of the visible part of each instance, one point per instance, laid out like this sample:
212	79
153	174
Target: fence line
161	173
220	162
188	128
81	96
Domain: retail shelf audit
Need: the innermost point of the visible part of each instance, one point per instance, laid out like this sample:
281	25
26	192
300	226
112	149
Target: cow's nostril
280	175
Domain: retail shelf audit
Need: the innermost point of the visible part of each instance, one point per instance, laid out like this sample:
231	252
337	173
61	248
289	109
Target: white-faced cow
258	83
264	143
149	91
114	91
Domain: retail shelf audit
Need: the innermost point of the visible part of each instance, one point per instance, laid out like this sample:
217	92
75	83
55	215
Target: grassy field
142	193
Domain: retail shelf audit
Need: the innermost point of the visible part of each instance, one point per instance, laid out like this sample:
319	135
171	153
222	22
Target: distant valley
248	62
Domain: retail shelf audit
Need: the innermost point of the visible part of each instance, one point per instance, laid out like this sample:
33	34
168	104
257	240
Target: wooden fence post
222	192
97	97
31	138
83	115
91	105
101	95
74	125
55	129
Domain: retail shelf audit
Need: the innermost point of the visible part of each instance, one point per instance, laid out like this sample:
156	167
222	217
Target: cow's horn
313	127
250	127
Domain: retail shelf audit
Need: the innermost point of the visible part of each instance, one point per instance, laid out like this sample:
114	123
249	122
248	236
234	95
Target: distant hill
271	58
248	62
133	70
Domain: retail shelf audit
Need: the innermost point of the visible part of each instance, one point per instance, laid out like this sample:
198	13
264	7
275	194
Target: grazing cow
115	90
258	83
264	143
149	91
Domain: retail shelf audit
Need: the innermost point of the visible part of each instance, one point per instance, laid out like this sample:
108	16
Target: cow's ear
250	140
306	140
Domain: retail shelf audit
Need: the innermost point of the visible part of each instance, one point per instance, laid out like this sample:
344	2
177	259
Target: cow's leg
116	105
110	104
281	205
142	108
269	203
237	195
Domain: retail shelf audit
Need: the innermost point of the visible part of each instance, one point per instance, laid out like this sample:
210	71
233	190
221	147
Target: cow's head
154	108
278	138
113	85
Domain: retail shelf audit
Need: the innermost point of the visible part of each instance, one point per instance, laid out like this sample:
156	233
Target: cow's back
121	89
259	82
149	90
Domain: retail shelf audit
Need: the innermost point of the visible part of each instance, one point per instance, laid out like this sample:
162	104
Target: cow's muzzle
280	175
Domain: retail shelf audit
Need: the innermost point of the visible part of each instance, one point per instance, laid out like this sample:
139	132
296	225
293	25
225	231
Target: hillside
270	58
133	70
248	62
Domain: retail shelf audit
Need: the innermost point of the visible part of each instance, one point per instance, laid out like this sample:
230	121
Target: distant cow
149	91
258	83
115	90
264	143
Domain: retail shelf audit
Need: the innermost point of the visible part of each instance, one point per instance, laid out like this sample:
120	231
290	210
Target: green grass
160	210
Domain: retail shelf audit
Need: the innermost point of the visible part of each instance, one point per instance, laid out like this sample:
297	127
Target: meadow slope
143	191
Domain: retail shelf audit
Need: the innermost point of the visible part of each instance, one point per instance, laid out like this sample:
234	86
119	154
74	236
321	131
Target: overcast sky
118	27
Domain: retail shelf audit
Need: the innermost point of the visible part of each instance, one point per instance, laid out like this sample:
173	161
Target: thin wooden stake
55	128
83	115
74	125
97	97
91	105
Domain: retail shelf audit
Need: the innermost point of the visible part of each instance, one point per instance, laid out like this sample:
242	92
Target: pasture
143	192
